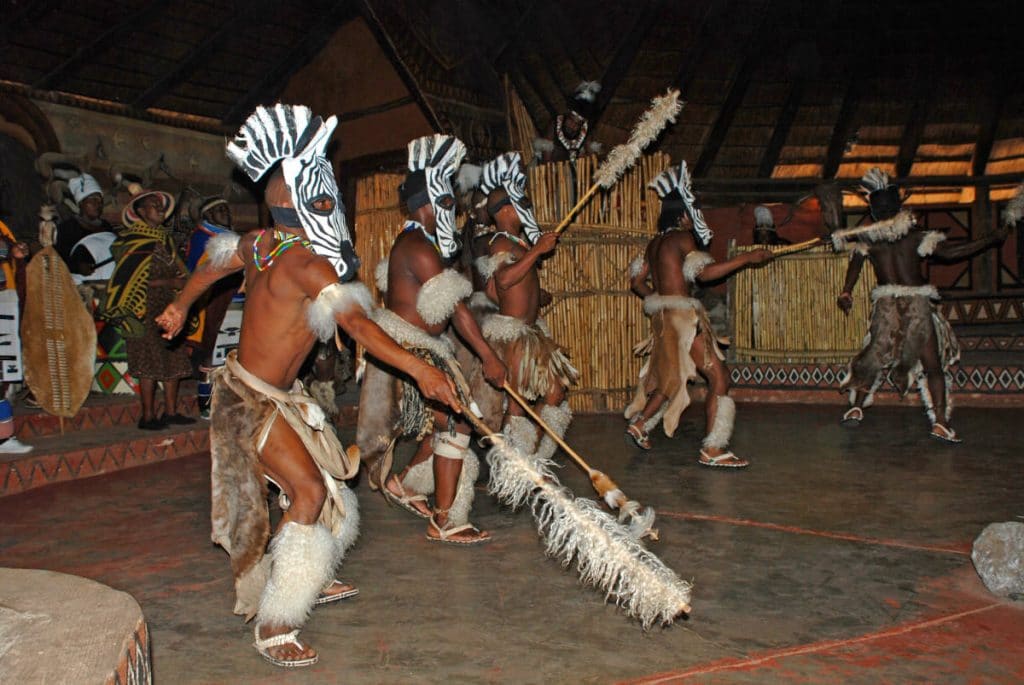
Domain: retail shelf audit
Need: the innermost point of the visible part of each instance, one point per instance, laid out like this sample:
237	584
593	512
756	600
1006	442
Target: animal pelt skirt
534	358
904	322
243	410
676	321
390	404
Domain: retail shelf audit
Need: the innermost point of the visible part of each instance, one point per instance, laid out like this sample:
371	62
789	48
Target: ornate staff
642	521
664	109
606	554
890	229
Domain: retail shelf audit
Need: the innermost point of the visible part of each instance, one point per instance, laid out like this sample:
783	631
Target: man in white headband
83	241
682	343
299	288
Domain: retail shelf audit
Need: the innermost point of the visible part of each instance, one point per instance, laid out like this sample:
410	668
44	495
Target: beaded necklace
574	145
515	239
415	225
286	241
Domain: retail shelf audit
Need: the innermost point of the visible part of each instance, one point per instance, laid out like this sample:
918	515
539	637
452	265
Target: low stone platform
59	628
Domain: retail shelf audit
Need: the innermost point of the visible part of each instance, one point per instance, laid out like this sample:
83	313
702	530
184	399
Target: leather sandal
725	460
638	436
291	638
446	534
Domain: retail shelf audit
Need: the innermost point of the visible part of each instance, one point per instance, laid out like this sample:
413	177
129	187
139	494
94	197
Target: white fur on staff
606	554
664	110
1014	211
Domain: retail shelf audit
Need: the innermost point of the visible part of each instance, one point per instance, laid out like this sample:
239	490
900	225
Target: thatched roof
781	89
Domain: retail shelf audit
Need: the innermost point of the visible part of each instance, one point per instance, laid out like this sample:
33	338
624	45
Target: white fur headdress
763	218
587	91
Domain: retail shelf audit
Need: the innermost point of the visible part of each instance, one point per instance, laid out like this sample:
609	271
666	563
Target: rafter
243	14
843	129
912	136
782	128
53	79
625	54
29	12
699	44
734	98
987	135
297	56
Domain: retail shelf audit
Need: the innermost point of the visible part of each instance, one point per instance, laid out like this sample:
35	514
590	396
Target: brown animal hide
58	337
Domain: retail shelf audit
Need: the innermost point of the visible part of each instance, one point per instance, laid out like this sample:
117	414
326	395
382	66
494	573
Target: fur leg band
336	298
558	418
420	478
303	557
458	513
522	434
721	431
349	531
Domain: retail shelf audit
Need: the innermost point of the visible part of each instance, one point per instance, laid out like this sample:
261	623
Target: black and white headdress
433	162
676	192
584	98
290	134
882	194
506	171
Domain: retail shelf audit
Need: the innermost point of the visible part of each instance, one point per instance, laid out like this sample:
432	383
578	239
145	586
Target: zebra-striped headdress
433	162
506	171
290	134
676	192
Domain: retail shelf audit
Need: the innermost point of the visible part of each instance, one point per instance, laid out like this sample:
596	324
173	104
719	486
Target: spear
605	553
642	521
664	109
889	229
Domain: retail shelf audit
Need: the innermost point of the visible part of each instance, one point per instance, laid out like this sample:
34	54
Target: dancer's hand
172	320
845	302
495	371
761	256
437	386
546	242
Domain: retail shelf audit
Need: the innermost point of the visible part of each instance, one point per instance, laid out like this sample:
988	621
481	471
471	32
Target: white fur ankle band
721	430
334	299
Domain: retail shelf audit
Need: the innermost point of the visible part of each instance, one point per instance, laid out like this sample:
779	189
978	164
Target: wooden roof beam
987	135
688	68
782	128
912	135
843	129
297	56
30	11
734	98
625	55
250	13
53	79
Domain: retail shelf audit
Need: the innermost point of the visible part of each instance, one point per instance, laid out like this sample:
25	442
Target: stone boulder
998	556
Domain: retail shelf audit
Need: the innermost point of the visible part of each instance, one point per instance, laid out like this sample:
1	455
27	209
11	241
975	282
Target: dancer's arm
509	275
853	269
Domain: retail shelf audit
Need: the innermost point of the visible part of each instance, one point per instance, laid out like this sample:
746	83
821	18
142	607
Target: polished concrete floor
839	556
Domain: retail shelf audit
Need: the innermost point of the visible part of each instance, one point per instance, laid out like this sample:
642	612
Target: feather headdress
1014	211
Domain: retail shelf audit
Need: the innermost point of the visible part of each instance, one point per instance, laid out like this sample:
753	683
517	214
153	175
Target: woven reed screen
593	313
786	310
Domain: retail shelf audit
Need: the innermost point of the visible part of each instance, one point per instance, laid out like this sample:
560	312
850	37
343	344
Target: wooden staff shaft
554	436
799	247
572	212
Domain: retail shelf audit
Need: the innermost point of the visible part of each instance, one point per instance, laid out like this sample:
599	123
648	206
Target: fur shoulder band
696	262
221	249
380	276
929	242
439	296
487	265
335	298
636	265
409	336
657	303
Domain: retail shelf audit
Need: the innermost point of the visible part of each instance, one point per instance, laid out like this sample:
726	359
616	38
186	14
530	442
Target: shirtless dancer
674	262
538	368
908	335
299	283
423	296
